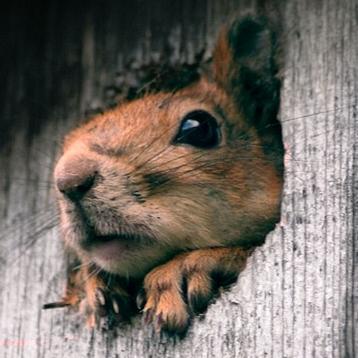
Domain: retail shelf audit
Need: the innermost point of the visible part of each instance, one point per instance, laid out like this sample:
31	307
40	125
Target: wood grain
298	296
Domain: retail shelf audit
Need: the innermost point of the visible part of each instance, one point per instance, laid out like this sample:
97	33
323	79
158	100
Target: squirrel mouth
114	246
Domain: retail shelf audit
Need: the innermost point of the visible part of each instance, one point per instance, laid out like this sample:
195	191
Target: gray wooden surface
298	295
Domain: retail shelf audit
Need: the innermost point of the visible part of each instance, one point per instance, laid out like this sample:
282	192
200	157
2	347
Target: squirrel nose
75	178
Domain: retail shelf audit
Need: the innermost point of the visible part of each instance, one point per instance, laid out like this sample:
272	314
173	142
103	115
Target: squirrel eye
199	129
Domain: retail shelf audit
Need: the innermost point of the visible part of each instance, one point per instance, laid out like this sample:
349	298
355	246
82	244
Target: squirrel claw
140	299
106	308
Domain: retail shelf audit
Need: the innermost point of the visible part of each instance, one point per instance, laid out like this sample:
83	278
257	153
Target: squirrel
164	197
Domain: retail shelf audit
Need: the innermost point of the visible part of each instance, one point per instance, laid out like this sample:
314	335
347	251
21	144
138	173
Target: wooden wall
62	60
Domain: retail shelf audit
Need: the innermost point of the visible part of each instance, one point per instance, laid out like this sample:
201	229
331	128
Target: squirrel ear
244	63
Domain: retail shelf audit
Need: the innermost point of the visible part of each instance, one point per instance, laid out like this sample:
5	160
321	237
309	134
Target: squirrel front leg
185	285
105	299
101	298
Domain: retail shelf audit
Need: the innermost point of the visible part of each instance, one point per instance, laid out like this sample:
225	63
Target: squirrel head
197	167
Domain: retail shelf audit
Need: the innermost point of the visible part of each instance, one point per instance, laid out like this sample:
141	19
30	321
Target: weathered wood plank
298	295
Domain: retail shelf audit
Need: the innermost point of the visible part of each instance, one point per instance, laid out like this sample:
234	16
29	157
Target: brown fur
187	207
165	300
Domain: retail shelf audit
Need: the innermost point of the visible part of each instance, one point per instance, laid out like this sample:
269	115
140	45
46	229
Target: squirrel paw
184	286
162	301
103	304
105	307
